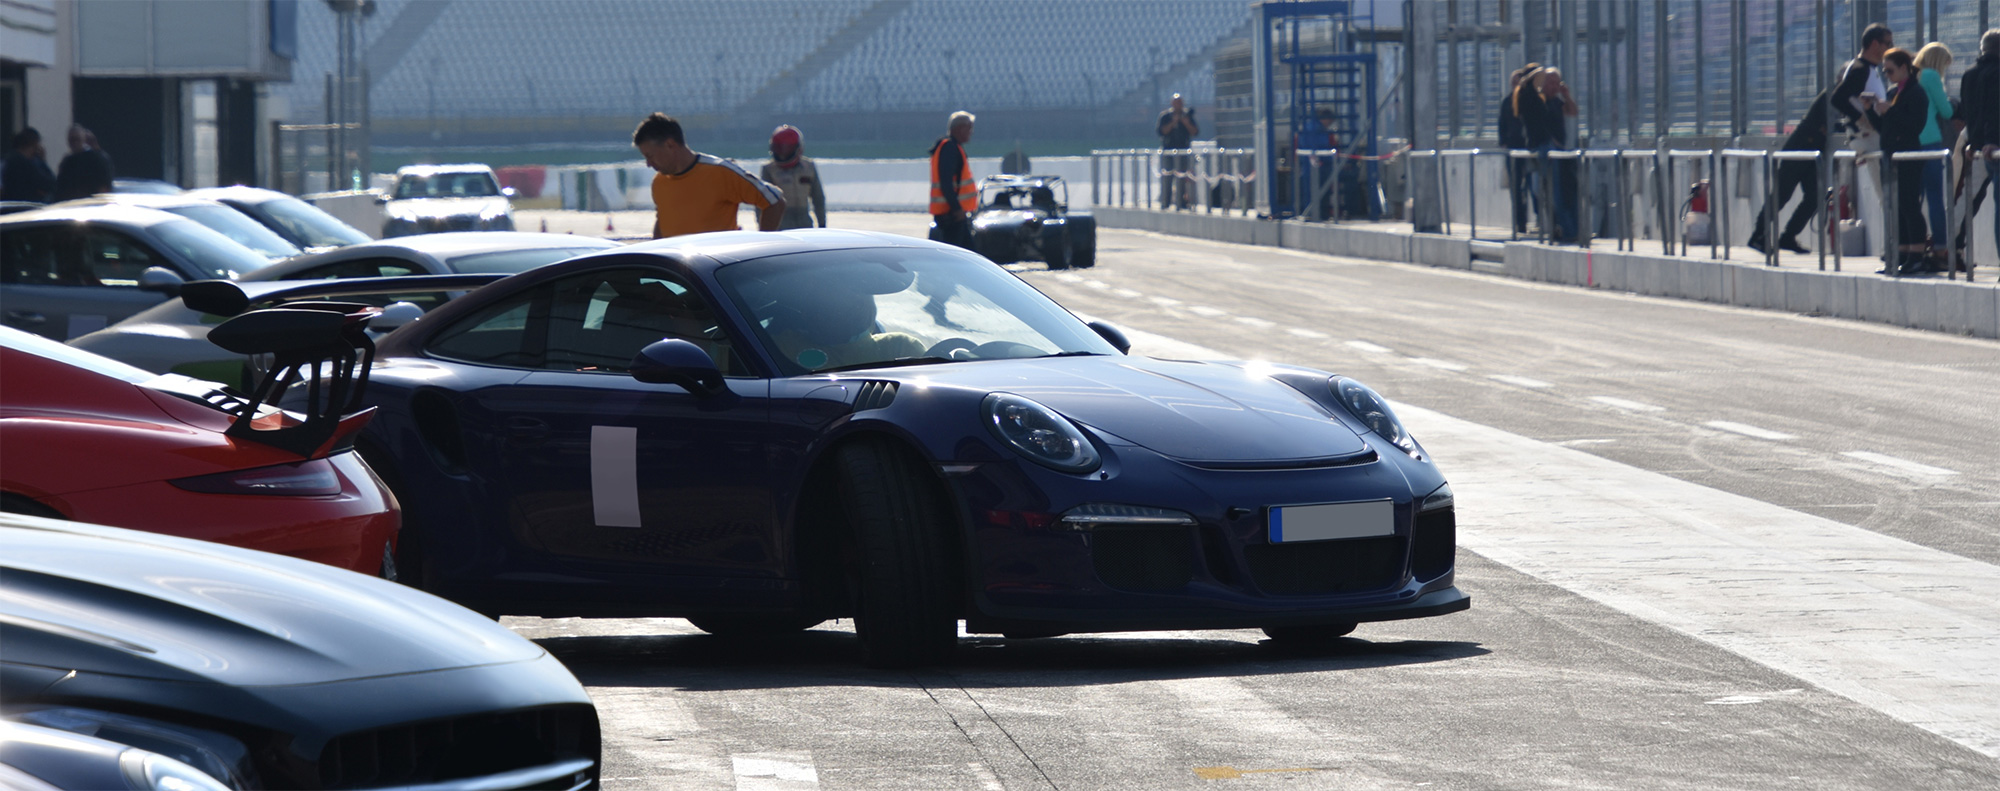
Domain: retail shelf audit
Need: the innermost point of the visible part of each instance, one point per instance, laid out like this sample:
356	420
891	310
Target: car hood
444	207
123	603
1198	412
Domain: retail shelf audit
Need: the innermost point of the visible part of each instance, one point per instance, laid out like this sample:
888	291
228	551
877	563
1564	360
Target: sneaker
1757	244
1791	244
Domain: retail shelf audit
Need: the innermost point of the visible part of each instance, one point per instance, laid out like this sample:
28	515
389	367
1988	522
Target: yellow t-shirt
706	197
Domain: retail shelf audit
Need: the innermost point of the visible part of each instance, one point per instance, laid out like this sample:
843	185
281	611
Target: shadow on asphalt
823	657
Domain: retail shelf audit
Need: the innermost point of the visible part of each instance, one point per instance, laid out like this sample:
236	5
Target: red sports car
89	438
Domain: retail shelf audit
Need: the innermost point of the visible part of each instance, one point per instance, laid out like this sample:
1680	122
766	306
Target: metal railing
1316	191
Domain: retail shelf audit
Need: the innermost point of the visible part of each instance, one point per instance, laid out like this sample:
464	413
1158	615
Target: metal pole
1739	72
1425	203
1632	72
1770	214
1094	199
1778	78
1715	202
1663	100
1472	193
1698	40
1829	223
1451	42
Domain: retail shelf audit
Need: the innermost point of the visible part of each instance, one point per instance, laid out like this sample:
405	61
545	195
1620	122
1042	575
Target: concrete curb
1954	307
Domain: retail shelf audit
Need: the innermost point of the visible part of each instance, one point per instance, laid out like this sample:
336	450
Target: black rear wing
324	343
232	297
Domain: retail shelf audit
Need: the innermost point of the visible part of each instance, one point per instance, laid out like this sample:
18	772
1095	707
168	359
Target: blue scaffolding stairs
1318	55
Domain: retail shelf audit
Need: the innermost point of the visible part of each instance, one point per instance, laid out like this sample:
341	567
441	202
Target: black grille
875	395
1149	559
1434	547
474	746
1342	566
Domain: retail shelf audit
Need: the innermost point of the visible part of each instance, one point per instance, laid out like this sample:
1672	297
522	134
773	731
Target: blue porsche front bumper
1222	568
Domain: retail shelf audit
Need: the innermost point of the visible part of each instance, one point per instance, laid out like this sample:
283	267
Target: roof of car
237	193
728	247
1022	181
151	200
436	246
431	170
82	211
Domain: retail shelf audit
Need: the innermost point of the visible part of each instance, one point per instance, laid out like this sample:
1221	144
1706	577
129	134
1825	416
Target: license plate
1291	524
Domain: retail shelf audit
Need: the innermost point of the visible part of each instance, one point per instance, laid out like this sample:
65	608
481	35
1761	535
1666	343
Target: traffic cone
607	224
545	225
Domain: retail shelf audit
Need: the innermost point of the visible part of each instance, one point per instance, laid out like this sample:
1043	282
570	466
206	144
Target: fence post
1715	204
1094	201
1472	194
1893	230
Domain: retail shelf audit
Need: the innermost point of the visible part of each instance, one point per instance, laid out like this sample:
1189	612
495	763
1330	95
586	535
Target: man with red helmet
794	174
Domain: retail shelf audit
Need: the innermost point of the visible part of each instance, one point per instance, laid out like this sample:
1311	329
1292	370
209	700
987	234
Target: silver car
236	225
299	222
173	338
66	271
434	198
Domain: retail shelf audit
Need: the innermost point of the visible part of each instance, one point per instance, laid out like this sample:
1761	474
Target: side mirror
507	191
677	362
395	315
162	280
1111	334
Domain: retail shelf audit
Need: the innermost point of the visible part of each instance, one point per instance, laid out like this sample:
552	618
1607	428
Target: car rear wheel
1084	257
906	573
1308	636
1055	250
21	504
754	625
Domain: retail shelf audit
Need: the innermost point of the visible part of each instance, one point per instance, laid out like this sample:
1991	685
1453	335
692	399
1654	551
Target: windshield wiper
896	363
1070	354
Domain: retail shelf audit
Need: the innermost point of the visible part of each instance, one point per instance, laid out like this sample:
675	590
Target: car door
609	476
63	281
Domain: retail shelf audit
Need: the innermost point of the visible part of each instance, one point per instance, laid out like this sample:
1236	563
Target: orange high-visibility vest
968	192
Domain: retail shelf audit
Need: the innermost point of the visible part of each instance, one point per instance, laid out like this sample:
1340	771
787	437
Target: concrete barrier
359	208
1954	307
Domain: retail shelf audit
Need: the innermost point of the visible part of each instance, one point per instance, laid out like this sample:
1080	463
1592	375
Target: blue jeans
1561	175
1934	199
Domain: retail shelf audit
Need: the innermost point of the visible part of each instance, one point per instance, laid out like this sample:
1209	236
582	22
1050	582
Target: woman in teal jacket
1934	59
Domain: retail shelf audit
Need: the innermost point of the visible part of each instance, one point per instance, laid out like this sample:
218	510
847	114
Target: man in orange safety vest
954	195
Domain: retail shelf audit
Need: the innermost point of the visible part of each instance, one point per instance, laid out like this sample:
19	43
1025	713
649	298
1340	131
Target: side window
507	333
599	321
34	257
114	259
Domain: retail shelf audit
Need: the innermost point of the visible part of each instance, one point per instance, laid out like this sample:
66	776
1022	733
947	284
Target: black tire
754	625
27	506
1308	637
1055	250
1085	256
410	567
906	567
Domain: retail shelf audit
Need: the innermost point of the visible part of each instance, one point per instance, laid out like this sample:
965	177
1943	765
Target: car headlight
1040	434
166	756
1369	407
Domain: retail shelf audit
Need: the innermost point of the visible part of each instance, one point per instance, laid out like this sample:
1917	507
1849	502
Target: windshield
840	309
210	252
516	261
447	185
239	228
307	222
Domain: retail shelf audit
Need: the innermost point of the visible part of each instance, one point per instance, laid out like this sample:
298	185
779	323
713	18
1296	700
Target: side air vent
875	395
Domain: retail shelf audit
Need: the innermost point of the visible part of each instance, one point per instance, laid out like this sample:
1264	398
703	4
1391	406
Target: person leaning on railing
1900	120
1809	135
1979	100
1932	61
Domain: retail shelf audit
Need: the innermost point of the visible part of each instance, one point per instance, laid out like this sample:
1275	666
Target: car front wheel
906	571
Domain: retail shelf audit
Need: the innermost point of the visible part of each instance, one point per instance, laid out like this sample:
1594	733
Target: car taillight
304	479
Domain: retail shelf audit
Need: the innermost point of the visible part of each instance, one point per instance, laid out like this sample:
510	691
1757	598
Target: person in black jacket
1801	174
1513	136
26	176
1861	77
86	171
1900	120
1979	102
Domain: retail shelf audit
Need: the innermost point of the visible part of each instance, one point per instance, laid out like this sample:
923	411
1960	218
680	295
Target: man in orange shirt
696	192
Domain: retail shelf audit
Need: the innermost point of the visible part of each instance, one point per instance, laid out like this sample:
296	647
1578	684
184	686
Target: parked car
172	337
18	206
299	222
69	270
88	438
1027	218
265	672
433	198
239	227
758	431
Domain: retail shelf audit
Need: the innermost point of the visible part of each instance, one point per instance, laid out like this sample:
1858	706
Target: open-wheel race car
1027	218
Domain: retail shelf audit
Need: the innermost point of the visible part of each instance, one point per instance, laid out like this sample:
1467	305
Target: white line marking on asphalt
1907	630
1368	347
1749	430
1305	333
1629	406
1901	464
1255	322
1126	293
1518	381
1166	348
1165	302
1097	284
1204	310
1069	277
774	771
1442	364
1576	442
1735	700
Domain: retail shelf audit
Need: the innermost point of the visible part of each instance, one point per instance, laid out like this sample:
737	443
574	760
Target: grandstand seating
554	58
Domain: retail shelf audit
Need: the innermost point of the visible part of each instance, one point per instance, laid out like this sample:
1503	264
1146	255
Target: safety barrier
1573	214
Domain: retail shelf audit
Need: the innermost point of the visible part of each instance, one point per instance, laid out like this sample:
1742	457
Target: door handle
26	318
527	429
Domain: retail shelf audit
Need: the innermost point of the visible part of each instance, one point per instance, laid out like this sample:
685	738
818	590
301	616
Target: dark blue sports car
760	431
